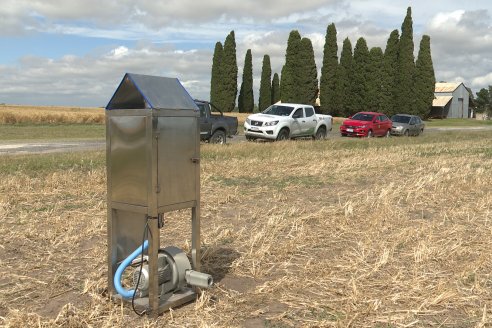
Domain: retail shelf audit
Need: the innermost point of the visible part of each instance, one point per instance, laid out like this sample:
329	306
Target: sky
75	52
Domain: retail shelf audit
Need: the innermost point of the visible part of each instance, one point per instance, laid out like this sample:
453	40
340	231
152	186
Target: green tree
307	74
328	79
288	86
374	79
229	74
265	98
216	78
425	80
484	101
360	77
246	100
389	74
343	76
406	67
275	88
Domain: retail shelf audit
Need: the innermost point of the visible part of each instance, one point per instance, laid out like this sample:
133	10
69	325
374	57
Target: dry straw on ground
342	233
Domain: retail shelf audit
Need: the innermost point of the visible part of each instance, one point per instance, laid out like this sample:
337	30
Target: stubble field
339	233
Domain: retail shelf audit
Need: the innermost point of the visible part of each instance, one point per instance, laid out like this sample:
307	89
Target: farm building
452	100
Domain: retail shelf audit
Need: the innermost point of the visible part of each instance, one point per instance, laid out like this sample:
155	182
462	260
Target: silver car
406	125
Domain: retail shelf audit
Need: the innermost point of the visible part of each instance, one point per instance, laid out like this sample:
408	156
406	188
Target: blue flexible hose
125	293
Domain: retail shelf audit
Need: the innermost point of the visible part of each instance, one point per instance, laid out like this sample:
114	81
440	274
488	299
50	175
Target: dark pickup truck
215	128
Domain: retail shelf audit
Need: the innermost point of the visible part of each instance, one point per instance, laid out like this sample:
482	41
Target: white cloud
91	80
164	31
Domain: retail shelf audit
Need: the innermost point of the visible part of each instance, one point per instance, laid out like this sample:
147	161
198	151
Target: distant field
12	114
379	233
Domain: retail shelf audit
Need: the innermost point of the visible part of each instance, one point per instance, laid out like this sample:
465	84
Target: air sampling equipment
153	157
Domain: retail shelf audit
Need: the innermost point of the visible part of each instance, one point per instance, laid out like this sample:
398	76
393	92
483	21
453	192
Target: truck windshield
400	119
278	110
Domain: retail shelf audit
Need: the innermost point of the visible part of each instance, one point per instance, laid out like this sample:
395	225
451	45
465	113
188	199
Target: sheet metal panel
177	147
128	159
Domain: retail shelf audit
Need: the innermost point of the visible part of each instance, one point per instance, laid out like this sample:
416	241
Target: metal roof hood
137	91
441	101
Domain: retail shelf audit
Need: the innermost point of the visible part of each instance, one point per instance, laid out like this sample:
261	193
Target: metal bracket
195	160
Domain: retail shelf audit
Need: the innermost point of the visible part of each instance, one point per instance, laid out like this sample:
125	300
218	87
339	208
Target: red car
366	124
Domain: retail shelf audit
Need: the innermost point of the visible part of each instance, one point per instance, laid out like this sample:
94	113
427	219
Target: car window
298	113
400	119
363	117
278	110
418	120
384	118
309	111
202	109
413	121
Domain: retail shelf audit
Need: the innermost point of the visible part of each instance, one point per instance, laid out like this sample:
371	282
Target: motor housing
174	272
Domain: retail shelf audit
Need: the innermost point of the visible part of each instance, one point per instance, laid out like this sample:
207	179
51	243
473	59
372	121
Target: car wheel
283	135
406	133
320	134
218	137
370	134
388	134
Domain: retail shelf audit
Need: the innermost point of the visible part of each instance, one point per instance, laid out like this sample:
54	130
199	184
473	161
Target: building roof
441	101
446	87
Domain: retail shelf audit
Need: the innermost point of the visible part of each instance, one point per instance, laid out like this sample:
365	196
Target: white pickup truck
286	121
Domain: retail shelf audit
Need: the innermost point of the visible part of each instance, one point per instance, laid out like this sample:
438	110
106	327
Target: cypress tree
288	87
229	74
343	76
425	80
406	67
389	74
328	77
374	82
307	74
265	98
216	78
245	100
275	88
359	80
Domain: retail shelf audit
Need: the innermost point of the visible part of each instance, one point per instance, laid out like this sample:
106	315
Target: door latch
195	160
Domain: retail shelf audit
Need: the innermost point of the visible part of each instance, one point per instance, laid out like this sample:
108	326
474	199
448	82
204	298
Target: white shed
451	100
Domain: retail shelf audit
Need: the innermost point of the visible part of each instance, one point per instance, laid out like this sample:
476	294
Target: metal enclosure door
129	175
177	148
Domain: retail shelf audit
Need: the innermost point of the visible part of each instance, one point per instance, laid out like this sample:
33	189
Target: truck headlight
272	123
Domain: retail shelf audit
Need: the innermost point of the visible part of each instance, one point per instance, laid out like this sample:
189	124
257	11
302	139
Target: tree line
389	81
483	101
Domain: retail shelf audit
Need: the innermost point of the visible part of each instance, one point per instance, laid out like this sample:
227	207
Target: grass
26	131
349	232
457	122
13	114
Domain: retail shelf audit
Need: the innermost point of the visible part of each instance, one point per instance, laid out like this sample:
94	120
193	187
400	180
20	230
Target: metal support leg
195	238
153	278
